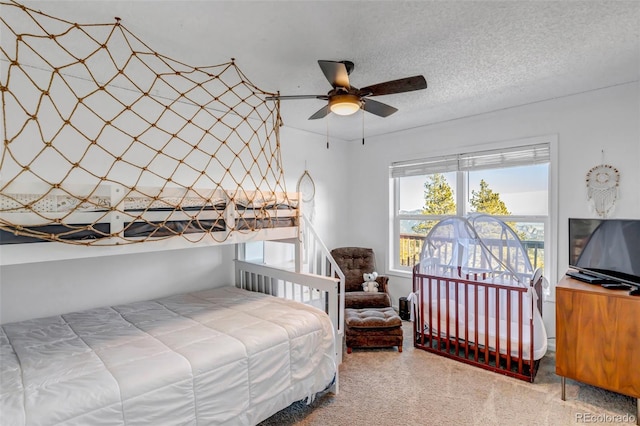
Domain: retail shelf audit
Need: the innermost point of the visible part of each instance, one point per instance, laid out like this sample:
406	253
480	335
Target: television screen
607	248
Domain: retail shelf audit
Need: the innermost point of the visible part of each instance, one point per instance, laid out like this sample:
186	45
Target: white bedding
220	356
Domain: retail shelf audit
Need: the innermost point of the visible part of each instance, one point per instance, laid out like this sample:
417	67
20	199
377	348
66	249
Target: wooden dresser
598	337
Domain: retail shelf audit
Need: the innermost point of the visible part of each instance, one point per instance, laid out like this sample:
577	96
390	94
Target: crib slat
428	306
486	326
466	318
475	320
447	315
520	313
457	325
497	320
437	312
421	311
509	294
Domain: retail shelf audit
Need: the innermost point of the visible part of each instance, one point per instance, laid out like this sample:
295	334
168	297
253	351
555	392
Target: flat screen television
606	248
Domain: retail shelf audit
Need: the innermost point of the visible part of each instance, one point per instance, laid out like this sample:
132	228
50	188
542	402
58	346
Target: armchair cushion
364	299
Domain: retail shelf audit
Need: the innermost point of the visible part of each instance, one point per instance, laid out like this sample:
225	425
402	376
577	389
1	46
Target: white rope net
108	130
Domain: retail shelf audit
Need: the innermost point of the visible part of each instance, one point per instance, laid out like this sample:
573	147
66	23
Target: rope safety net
109	142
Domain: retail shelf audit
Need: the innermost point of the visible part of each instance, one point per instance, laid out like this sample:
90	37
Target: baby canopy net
476	244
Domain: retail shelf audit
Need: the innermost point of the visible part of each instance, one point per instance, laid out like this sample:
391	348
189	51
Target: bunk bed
229	355
476	298
113	148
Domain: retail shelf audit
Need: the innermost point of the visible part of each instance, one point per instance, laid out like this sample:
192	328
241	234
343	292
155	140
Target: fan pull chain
327	131
363	124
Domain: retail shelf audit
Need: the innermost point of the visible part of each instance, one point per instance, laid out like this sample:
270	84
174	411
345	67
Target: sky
523	189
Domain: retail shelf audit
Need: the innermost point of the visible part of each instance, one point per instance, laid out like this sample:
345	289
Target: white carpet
383	387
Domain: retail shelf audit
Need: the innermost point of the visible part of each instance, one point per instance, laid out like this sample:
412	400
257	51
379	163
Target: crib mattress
220	356
488	336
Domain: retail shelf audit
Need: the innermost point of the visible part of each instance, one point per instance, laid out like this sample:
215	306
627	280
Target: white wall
585	124
330	170
48	288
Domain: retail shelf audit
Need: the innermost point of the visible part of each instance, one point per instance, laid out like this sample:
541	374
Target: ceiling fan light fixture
344	104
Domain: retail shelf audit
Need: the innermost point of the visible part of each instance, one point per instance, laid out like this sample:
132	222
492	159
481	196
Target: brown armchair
355	261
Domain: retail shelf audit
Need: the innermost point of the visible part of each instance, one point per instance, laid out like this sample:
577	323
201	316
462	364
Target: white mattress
221	356
539	341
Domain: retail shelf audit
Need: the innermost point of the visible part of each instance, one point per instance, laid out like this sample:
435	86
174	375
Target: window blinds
493	159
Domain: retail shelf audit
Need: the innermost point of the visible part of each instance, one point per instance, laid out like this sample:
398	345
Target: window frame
549	221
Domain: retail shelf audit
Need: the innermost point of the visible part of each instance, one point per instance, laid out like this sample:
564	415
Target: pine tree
438	200
487	201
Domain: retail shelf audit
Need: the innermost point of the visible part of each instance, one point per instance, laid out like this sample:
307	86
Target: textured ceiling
477	56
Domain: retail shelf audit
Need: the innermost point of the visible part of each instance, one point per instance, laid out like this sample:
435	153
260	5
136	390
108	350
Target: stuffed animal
370	283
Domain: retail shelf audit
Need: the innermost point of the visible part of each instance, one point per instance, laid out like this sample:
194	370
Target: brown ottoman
372	328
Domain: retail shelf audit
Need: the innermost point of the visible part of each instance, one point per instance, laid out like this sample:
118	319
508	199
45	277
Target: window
512	184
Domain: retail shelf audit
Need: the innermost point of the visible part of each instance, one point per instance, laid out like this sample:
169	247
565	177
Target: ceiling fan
344	99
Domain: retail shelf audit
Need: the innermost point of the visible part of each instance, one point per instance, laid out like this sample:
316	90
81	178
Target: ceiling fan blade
322	112
288	97
402	85
378	108
336	73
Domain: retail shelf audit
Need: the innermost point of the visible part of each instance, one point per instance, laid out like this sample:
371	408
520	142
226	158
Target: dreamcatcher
602	188
307	189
